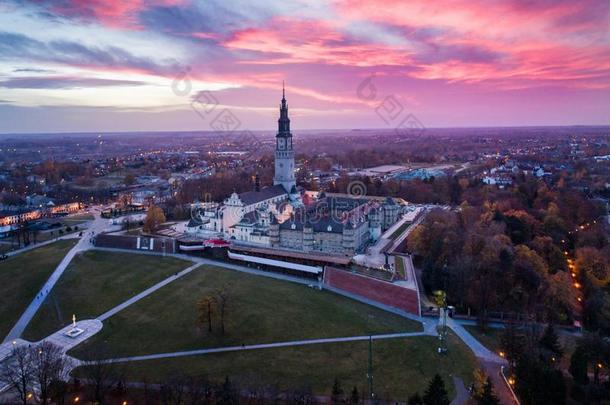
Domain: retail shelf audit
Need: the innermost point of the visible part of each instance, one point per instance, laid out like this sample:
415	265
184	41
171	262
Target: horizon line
307	130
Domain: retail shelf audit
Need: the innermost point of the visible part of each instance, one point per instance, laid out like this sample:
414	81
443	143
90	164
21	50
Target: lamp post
369	374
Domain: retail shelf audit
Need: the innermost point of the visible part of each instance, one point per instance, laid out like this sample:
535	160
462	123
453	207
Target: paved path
97	225
147	292
461	393
89	326
401	238
477	348
264	346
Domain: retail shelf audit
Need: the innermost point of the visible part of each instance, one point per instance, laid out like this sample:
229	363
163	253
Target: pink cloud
112	13
544	41
287	40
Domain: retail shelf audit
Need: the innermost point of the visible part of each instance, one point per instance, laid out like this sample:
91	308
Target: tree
415	399
579	364
154	218
227	394
550	342
205	308
592	262
487	396
354	397
513	343
17	371
538	382
436	393
337	396
100	374
173	390
480	378
58	391
222	300
49	366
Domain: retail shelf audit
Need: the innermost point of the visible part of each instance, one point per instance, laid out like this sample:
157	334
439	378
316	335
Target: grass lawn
52	234
95	282
400	366
21	277
490	338
260	310
399	266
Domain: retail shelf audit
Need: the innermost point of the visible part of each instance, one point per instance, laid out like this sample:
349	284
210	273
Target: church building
275	216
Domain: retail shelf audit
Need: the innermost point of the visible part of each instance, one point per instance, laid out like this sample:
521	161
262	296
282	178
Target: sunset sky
103	65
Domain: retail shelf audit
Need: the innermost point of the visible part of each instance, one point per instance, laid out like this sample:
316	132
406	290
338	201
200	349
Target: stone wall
144	243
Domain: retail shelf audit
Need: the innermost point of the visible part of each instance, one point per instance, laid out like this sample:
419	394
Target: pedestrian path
89	326
83	244
461	393
147	292
477	348
264	346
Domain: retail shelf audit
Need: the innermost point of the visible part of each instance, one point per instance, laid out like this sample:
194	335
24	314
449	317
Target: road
96	226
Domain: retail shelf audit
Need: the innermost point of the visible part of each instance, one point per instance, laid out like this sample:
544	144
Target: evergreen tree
487	396
337	393
538	382
578	365
550	341
415	399
436	394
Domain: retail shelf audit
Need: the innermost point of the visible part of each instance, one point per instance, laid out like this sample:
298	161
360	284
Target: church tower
284	154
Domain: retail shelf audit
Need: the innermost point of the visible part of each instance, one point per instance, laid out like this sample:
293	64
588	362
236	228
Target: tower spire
283	91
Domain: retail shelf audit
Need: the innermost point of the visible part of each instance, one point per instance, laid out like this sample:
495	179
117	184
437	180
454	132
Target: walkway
147	292
264	346
97	225
59	338
461	393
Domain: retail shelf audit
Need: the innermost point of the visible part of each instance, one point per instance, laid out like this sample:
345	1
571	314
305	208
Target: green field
259	310
96	281
400	366
21	277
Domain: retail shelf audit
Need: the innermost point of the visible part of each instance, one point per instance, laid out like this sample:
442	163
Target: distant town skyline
73	66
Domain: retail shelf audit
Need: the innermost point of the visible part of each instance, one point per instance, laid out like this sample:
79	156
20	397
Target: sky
158	65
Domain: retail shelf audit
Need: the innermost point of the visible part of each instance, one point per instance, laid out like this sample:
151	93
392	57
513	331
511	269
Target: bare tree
17	372
99	373
49	365
205	309
199	391
223	298
173	390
